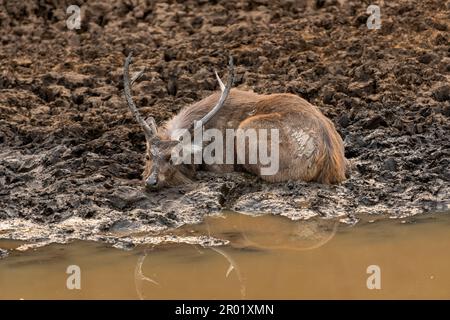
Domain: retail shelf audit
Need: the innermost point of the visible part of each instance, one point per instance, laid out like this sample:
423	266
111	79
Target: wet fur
293	116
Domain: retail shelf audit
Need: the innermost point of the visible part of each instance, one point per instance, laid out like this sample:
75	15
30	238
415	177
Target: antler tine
225	91
149	131
221	85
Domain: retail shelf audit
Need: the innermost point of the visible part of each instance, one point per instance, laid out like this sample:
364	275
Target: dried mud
71	155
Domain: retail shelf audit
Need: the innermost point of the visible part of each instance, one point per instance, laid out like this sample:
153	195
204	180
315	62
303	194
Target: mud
71	155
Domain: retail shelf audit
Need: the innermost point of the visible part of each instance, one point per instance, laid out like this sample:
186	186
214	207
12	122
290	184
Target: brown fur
293	116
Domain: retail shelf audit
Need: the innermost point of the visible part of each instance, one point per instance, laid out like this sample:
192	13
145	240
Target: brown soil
71	155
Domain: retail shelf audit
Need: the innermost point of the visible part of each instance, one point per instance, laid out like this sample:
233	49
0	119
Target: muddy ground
71	154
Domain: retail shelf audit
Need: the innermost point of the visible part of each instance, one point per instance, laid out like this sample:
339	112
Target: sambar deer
310	148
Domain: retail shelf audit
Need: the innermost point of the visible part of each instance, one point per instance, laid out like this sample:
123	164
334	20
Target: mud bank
71	155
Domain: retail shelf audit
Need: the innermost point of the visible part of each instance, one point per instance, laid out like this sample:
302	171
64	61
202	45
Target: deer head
160	169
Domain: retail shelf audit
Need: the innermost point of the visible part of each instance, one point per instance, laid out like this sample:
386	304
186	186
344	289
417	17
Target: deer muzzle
152	181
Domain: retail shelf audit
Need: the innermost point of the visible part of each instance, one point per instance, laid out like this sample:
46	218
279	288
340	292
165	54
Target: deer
310	148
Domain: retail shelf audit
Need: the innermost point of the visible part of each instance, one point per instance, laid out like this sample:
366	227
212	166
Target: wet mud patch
71	154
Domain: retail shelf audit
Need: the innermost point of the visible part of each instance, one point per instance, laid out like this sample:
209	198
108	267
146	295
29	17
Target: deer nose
151	181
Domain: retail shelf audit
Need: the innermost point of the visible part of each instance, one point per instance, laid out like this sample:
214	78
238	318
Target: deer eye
169	160
147	157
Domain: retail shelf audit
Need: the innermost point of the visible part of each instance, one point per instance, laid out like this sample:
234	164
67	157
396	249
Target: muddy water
267	257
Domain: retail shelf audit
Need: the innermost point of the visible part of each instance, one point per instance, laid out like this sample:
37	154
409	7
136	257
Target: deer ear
151	122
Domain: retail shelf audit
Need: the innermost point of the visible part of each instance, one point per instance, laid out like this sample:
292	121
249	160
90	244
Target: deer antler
225	91
149	130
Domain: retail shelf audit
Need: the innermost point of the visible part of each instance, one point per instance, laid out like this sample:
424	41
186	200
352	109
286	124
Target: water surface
268	257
